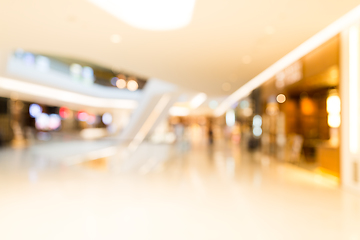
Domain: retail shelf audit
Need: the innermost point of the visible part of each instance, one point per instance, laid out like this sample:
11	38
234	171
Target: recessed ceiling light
121	83
115	38
246	59
226	87
269	30
281	98
132	85
150	14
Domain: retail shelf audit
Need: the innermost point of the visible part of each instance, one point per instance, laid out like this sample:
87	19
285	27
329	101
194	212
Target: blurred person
210	133
16	108
179	130
236	133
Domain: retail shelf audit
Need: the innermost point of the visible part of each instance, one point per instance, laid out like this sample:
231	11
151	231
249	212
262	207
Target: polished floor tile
169	192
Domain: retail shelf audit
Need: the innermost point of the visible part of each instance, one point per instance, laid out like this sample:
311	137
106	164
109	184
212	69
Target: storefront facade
301	114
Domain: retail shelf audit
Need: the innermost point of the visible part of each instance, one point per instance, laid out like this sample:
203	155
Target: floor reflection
163	192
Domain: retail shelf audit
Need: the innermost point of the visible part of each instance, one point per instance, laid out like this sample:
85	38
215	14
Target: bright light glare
333	105
82	116
198	100
150	14
334	120
132	85
107	118
42	121
35	110
121	83
230	118
64	112
306	47
257	131
281	98
54	121
257	121
353	88
179	111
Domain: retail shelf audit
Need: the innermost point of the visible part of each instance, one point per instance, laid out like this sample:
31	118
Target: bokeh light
257	131
42	121
35	110
132	85
91	119
64	112
213	104
107	118
257	121
230	118
334	120
82	116
75	70
281	98
42	63
121	83
54	121
113	81
333	104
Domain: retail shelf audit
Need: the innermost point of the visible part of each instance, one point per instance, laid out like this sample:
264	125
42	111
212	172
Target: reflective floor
167	192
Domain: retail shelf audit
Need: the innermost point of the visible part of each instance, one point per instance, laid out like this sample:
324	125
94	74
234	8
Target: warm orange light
281	98
307	106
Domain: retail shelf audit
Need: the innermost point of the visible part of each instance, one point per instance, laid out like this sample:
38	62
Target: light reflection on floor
163	193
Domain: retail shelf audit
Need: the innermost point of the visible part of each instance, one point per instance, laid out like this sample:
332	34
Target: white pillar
350	109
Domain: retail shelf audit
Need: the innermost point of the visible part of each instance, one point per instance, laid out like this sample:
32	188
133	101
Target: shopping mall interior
182	119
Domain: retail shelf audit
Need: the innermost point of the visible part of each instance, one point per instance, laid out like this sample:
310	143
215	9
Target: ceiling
227	41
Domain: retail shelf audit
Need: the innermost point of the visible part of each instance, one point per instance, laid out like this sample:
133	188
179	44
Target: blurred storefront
301	111
25	123
196	130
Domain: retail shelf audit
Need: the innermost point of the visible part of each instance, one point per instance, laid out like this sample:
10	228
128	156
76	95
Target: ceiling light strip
64	96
